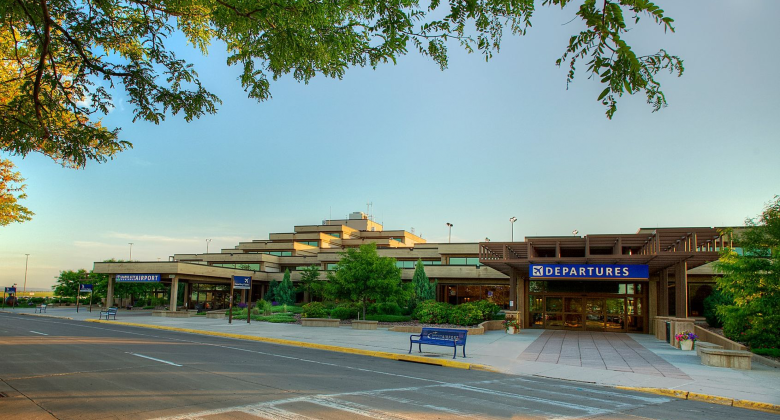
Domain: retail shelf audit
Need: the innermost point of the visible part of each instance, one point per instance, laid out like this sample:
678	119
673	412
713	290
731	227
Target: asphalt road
55	368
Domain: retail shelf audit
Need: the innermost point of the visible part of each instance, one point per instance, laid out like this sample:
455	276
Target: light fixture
512	221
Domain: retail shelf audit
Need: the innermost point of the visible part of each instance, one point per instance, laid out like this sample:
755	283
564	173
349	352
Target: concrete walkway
610	359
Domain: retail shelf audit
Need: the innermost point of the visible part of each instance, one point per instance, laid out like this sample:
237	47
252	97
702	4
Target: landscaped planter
320	322
171	314
215	315
364	325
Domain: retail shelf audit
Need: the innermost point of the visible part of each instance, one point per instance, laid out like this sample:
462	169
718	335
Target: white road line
36	332
152	358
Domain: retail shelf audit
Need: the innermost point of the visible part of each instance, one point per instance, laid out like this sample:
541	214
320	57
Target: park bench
448	337
108	312
40	308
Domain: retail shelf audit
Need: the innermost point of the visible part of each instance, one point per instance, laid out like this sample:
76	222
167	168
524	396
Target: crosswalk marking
440	401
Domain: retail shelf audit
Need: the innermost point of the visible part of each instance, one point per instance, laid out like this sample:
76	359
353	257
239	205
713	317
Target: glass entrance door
613	307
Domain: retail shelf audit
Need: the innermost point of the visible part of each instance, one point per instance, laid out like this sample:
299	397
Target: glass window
573	321
310	243
433	262
332	266
554	320
554	304
405	264
536	286
572	304
472	261
335	235
535	304
457	261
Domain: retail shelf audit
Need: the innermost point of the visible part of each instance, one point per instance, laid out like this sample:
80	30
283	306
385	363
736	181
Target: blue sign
10	290
241	282
85	288
589	271
137	278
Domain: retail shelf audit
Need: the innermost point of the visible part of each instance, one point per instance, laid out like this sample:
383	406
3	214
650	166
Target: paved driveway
598	350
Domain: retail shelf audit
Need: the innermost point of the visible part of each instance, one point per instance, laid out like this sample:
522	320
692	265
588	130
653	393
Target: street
58	368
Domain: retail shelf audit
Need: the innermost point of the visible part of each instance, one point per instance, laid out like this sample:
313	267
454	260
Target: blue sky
472	145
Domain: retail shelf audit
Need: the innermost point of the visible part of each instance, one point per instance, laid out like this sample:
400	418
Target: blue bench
448	337
108	312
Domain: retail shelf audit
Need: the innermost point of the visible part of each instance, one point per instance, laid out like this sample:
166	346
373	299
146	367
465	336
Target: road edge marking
326	347
711	399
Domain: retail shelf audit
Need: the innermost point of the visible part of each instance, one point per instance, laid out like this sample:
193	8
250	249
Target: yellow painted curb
753	405
676	393
712	399
327	347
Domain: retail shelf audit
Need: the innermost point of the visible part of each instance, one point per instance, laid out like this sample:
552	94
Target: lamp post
131	251
207	245
512	221
24	290
449	235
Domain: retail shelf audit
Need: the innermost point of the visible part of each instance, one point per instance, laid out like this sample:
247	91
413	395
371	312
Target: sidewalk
640	361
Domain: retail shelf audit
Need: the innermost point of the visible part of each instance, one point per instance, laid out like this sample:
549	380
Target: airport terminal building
595	282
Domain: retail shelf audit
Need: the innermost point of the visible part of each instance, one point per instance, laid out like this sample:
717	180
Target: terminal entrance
587	305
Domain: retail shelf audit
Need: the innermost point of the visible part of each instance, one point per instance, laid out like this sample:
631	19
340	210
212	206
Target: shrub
389	318
255	311
314	310
486	308
432	312
711	303
386	308
767	352
345	311
465	314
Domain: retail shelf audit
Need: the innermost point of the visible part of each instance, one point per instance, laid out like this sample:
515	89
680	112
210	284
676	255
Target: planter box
364	325
171	314
735	359
320	322
705	345
215	315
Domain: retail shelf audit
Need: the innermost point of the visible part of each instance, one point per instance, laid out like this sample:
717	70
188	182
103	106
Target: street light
131	251
207	245
25	273
512	221
449	236
575	232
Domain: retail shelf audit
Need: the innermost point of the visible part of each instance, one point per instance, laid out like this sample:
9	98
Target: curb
39	315
326	347
712	399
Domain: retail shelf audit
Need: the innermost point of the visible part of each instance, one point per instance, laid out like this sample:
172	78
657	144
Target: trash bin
668	331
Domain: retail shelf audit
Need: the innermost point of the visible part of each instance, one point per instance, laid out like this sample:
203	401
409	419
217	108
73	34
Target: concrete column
663	293
174	293
681	289
512	289
110	291
187	294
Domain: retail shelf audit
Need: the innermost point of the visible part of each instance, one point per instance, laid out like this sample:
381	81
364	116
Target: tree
752	278
271	296
11	191
422	287
68	281
362	275
285	293
310	282
61	62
